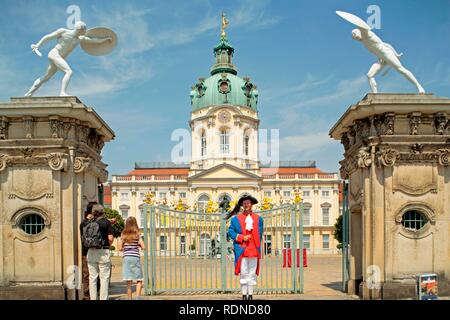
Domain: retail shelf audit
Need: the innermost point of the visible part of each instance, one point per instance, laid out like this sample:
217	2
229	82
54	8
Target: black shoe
250	297
244	297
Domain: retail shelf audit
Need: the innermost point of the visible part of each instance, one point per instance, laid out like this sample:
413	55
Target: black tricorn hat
246	197
237	207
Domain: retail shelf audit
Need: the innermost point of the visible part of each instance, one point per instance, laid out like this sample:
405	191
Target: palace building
225	162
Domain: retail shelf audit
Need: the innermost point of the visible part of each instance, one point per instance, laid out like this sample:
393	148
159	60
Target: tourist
84	266
246	230
130	242
99	255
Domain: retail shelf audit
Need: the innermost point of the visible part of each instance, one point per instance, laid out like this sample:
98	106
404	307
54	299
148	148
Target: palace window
224	141
325	194
326	241
306	194
162	195
163	243
246	143
287	241
124	196
124	211
325	216
267	194
182	195
307	215
32	224
286	194
203	144
202	202
182	245
306	241
413	220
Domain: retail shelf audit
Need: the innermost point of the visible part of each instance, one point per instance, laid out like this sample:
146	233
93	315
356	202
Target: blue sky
299	53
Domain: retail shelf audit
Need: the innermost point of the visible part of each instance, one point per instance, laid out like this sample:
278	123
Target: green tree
117	220
338	232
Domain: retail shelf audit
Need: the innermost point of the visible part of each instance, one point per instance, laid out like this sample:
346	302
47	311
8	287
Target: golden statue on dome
225	24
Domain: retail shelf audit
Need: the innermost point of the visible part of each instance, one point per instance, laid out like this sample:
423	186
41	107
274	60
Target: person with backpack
130	242
98	236
84	250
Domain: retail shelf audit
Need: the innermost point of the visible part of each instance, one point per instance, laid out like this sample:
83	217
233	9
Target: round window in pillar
414	220
32	223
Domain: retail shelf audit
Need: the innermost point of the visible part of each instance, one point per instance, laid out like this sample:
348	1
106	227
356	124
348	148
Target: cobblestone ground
322	281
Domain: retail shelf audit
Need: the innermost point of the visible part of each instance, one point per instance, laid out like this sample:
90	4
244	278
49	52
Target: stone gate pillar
397	161
50	167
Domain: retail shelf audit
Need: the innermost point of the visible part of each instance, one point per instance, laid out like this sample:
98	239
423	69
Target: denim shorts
132	269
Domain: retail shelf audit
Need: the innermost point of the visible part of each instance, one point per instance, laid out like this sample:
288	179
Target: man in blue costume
246	230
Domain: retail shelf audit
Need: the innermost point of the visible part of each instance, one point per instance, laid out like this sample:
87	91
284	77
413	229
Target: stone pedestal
50	167
397	161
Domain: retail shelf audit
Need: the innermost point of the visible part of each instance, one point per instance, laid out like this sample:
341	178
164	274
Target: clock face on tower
224	116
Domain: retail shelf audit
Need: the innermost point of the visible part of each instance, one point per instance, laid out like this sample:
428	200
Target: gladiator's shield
99	49
360	23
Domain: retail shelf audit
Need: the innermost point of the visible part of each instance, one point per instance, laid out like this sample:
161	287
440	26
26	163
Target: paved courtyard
322	281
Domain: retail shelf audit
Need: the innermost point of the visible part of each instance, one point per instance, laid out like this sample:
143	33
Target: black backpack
92	237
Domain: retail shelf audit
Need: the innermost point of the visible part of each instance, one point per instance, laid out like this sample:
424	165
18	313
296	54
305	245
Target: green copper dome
224	86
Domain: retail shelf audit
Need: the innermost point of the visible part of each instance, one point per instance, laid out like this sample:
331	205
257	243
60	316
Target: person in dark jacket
84	266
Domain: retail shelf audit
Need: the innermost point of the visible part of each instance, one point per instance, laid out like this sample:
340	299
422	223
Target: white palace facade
225	161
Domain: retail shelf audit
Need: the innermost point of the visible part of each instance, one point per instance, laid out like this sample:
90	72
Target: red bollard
305	257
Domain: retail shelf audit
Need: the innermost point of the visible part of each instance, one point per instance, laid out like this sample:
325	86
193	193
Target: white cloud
252	13
295	147
344	90
173	37
131	26
309	83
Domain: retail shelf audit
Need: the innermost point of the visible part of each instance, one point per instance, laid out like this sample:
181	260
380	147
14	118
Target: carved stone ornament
414	122
201	88
211	122
377	125
348	166
65	129
55	127
28	124
345	141
441	123
100	144
27	152
387	157
363	158
83	133
80	164
443	157
57	161
4	161
352	135
389	124
4	123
